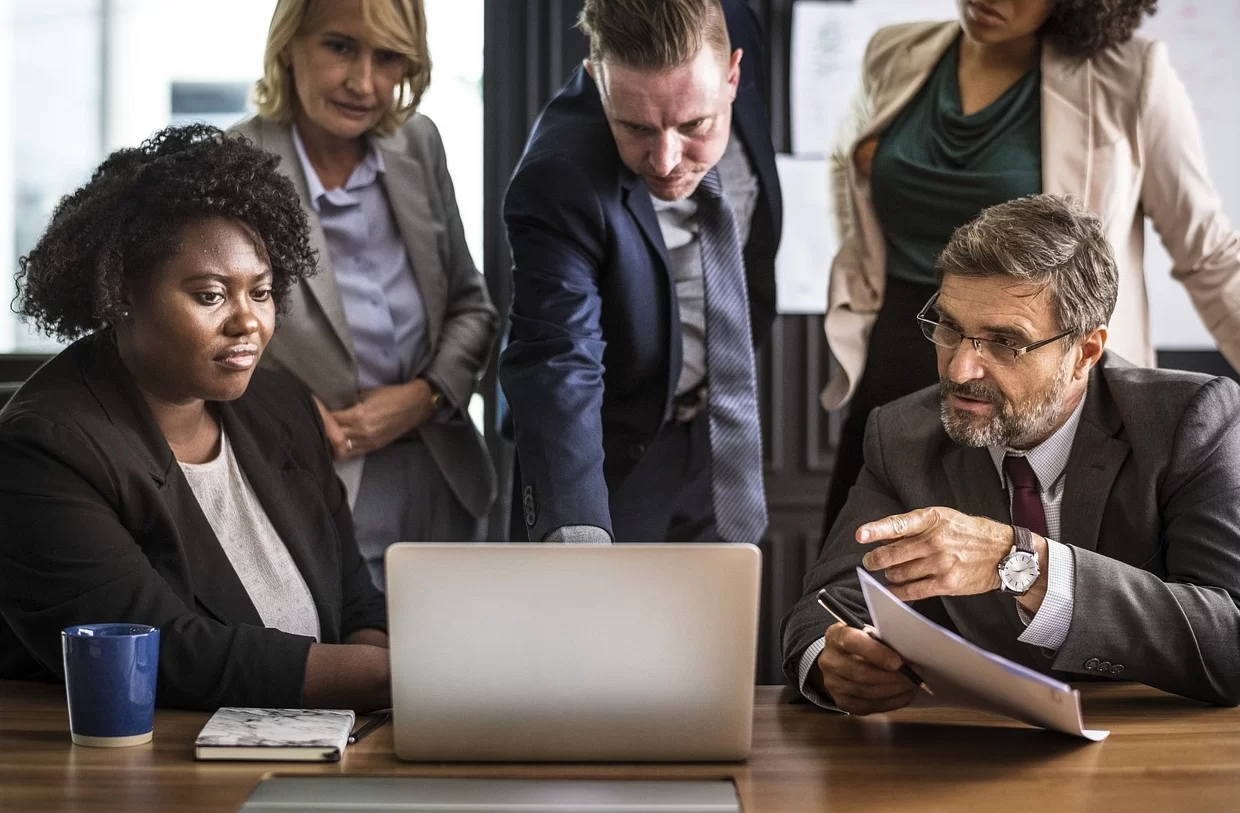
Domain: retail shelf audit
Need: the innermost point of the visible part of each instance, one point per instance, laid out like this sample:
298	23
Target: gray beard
1008	428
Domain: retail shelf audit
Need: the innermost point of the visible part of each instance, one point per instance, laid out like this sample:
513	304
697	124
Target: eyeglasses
996	351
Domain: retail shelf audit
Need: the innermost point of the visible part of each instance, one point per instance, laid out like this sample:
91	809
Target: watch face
1019	571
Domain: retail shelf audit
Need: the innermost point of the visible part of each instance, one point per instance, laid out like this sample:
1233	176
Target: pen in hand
845	617
371	724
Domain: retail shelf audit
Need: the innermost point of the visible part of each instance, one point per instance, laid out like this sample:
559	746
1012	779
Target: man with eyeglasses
1047	501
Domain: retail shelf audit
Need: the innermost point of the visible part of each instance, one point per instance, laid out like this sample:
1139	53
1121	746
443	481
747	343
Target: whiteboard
1201	37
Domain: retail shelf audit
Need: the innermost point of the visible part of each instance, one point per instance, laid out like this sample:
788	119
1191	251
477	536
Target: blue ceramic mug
110	672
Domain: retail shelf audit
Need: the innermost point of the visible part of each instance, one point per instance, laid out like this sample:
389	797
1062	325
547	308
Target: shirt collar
1050	457
363	175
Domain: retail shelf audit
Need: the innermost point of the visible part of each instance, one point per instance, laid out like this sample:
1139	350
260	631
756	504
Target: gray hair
1044	240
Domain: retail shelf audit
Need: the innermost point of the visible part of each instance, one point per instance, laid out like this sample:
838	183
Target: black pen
845	616
373	723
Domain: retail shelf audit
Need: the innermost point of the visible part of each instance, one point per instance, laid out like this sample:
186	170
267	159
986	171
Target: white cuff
1049	627
809	661
579	535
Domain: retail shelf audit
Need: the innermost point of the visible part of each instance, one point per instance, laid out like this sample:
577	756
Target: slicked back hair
653	35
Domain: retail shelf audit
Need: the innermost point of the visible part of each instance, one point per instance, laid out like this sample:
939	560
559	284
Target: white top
257	553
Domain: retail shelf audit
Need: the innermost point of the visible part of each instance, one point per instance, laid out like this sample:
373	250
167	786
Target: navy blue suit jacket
594	351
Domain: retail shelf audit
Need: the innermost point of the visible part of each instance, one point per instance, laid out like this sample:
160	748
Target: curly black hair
1082	29
130	215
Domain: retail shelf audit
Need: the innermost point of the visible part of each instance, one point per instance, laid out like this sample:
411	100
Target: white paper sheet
961	674
808	243
828	45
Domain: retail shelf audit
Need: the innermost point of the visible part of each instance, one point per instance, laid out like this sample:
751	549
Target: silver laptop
516	652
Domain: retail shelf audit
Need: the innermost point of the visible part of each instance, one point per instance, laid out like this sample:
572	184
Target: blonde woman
393	333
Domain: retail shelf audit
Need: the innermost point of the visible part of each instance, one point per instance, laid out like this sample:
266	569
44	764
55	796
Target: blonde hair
653	35
397	25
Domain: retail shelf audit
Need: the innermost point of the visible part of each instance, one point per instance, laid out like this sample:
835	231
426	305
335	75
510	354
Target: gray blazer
312	340
1151	508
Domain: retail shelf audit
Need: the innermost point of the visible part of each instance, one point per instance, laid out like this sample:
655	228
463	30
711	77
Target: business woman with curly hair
1013	98
151	474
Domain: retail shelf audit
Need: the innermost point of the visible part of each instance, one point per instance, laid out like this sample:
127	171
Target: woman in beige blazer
1016	97
393	332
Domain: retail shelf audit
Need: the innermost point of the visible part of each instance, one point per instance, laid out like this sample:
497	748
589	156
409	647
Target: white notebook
309	735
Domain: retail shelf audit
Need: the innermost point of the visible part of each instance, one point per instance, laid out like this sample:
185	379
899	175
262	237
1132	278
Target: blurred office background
80	78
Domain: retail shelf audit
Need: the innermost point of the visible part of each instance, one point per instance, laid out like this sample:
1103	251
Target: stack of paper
961	674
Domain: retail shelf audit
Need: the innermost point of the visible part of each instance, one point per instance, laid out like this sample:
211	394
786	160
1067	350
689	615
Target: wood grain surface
1164	754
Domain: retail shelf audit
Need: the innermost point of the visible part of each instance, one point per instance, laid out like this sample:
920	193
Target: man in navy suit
644	218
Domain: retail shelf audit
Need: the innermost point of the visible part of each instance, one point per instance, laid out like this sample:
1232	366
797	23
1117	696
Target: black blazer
98	524
594	347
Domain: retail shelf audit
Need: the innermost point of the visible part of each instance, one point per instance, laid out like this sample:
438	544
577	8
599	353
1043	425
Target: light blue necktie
735	431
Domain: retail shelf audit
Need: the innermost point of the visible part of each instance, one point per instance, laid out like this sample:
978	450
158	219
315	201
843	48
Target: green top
935	169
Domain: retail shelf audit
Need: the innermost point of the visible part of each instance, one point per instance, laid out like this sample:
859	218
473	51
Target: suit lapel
211	578
277	139
976	488
749	122
1067	134
913	68
407	186
1094	463
284	490
978	491
637	201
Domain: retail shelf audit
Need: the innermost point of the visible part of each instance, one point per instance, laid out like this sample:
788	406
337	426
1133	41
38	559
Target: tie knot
711	185
1020	473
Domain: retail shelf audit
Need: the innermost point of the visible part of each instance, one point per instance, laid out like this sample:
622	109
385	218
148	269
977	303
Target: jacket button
531	508
1104	667
1091	664
1117	668
636	450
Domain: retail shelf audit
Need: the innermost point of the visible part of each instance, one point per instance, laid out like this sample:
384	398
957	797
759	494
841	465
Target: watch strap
1023	539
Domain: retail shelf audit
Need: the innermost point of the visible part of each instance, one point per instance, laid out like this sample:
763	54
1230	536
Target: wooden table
1164	754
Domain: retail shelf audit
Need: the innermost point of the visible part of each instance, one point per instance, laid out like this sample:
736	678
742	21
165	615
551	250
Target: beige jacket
1118	132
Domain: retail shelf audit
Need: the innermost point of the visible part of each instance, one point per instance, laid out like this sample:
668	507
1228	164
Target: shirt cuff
808	661
1049	627
579	535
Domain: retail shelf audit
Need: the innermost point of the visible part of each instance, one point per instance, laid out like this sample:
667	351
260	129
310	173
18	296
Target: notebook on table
303	735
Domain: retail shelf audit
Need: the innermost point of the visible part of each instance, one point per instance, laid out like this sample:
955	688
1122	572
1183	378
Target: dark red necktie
1027	510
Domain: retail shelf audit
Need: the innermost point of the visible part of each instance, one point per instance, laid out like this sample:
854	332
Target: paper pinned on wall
808	242
963	675
828	43
828	46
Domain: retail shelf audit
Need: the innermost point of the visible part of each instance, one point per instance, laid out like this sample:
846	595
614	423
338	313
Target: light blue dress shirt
382	301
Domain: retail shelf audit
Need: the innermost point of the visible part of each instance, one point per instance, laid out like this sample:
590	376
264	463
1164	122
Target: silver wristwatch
1020	568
